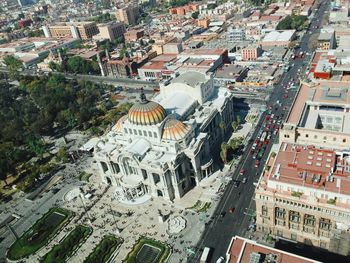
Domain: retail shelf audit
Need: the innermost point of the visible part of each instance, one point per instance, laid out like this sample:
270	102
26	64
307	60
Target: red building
24	23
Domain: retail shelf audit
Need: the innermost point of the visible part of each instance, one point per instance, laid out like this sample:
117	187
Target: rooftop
311	167
279	36
191	78
243	250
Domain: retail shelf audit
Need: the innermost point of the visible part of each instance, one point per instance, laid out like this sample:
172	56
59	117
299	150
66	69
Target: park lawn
104	250
61	252
39	234
133	254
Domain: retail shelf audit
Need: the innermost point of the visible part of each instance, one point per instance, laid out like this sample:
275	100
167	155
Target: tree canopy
292	22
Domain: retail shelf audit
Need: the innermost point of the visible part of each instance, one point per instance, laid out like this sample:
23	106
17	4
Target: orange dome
174	130
118	126
146	113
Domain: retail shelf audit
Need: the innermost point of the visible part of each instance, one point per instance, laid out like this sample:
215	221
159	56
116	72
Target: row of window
139	132
324	137
304	206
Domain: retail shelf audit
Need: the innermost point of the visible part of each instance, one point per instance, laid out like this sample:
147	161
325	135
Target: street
219	232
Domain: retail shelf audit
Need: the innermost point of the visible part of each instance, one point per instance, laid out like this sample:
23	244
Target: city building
204	22
242	250
111	31
251	52
230	74
280	38
319	116
80	30
33	50
133	35
235	35
304	196
326	40
166	66
163	147
128	14
183	10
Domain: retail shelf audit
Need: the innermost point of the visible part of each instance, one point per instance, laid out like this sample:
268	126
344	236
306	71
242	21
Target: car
220	259
257	163
244	180
235	183
231	210
242	172
222	214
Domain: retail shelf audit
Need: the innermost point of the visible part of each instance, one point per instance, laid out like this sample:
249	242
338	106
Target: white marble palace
164	147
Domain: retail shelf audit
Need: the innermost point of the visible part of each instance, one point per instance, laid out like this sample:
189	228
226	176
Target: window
135	132
264	210
130	131
155	134
307	135
156	178
309	220
279	233
325	224
149	134
145	133
294	216
344	140
323	244
140	133
293	237
279	212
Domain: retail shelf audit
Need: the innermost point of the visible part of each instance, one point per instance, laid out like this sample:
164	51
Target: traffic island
148	250
104	250
39	234
62	251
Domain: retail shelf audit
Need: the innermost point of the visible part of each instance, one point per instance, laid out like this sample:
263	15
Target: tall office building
128	15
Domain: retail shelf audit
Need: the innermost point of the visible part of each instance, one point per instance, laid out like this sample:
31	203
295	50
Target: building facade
81	30
128	15
157	149
304	196
251	53
111	31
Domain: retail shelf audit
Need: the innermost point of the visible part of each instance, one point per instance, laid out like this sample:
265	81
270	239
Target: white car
220	259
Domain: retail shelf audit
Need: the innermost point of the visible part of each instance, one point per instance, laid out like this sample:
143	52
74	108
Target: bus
205	255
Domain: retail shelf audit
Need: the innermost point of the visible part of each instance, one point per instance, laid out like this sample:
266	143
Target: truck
205	255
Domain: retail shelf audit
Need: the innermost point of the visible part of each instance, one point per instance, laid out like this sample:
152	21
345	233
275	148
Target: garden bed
148	250
62	251
39	234
104	250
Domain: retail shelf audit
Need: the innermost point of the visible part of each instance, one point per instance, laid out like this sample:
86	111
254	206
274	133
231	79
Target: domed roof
146	112
118	126
174	130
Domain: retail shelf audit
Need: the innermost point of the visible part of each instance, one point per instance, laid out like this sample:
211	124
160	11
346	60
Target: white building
165	148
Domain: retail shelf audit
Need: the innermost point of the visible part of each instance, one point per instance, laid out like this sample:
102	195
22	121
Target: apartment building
128	14
304	196
111	31
251	52
82	30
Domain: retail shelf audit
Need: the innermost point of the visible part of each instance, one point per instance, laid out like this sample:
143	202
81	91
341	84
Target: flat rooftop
242	250
309	166
332	96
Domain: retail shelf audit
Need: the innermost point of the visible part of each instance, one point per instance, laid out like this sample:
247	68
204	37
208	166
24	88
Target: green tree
36	145
13	65
195	15
234	125
4	169
223	153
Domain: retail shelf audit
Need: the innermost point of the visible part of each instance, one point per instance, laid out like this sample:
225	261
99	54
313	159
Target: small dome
146	113
118	126
174	130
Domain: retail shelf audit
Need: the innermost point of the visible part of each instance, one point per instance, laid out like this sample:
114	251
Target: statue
143	97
